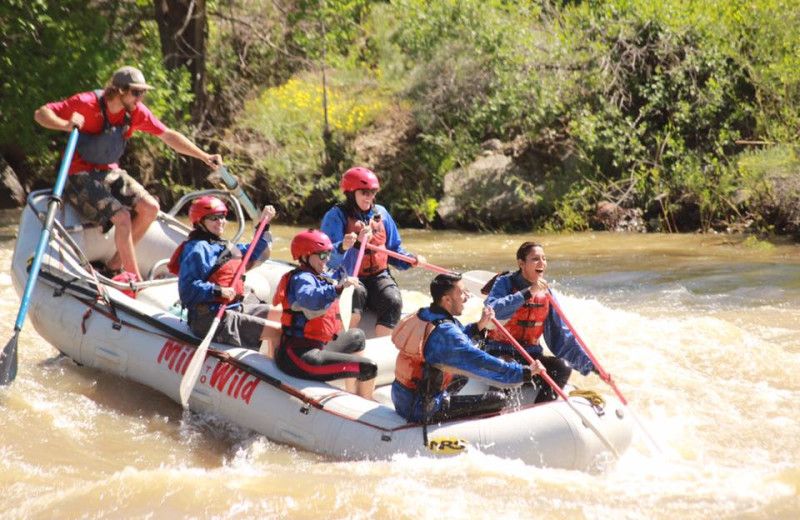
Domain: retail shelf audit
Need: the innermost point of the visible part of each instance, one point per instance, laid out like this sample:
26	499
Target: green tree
48	49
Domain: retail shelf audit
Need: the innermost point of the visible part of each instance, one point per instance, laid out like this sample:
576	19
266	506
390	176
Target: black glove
527	374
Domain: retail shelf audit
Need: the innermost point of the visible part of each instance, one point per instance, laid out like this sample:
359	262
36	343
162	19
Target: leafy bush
288	123
661	106
664	98
53	49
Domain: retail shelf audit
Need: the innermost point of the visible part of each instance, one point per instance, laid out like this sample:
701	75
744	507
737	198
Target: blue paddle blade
8	361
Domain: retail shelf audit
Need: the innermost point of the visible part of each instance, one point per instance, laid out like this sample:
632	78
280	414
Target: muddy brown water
701	332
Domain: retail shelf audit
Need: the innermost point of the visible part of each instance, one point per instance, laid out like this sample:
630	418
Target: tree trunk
182	28
12	194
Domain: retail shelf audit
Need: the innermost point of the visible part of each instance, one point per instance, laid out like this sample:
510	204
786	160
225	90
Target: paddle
544	375
222	175
346	298
196	364
413	261
602	373
8	358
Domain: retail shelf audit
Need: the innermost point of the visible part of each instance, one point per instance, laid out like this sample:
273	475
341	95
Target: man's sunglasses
137	93
216	216
324	255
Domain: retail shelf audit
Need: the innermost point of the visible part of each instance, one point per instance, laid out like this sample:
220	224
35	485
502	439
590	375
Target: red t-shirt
142	120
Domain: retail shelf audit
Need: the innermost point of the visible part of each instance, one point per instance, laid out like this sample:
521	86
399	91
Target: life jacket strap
526	323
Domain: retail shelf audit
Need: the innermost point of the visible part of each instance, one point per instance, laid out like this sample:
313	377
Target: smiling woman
523	298
209	278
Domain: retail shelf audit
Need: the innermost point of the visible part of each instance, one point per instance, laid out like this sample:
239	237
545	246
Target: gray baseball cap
130	77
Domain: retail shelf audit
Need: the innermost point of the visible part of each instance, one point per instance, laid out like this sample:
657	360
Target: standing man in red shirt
98	188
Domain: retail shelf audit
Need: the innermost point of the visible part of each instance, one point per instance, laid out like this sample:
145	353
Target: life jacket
374	261
487	288
295	323
222	272
107	146
527	324
409	337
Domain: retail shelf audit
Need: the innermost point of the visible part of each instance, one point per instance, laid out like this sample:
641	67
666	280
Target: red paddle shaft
410	259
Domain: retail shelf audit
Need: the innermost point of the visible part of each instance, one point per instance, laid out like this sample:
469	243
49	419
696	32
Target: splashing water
701	334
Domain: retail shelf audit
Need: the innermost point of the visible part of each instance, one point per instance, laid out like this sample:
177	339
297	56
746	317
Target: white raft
146	341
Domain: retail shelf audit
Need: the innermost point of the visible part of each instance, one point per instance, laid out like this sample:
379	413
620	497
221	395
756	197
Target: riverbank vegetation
659	116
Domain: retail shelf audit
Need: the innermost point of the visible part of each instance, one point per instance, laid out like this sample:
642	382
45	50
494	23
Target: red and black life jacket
409	337
223	271
527	324
374	261
295	323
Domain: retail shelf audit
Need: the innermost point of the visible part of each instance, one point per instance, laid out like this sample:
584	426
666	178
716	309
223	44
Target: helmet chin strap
304	261
204	228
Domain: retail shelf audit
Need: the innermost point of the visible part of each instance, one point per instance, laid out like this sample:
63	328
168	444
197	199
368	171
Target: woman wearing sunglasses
206	265
311	346
345	225
101	191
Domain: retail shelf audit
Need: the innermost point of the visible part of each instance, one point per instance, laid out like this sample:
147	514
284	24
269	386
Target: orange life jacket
410	336
527	324
374	261
295	323
221	274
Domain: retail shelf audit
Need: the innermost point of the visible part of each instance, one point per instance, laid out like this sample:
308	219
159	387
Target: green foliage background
686	111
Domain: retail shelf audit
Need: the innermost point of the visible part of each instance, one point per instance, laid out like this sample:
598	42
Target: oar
346	298
196	364
413	261
602	373
8	358
544	375
222	175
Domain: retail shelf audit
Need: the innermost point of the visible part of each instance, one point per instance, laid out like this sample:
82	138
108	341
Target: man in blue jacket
435	348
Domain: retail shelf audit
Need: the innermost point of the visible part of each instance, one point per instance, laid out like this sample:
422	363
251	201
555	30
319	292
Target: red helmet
205	206
359	178
309	242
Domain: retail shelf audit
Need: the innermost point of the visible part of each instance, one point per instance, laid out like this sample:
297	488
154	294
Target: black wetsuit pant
461	406
380	294
558	370
311	359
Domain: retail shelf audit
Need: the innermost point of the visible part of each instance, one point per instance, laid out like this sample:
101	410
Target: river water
702	334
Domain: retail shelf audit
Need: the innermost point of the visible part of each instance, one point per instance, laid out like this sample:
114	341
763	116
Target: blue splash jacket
557	336
335	221
197	259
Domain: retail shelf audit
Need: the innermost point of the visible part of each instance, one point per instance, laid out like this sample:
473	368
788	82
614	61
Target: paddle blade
475	280
196	365
8	361
346	306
